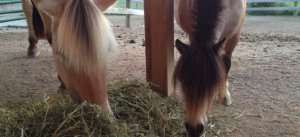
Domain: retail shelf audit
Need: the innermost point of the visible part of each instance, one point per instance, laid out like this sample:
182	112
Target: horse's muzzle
194	132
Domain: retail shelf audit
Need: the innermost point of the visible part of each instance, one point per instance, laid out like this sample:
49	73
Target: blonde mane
84	37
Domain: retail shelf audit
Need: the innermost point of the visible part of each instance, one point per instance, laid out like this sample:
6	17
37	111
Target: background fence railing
295	8
5	5
8	7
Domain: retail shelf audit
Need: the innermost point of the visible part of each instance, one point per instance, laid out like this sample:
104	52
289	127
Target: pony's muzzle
194	132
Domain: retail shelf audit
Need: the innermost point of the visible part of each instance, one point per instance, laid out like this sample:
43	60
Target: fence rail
266	1
9	2
138	11
295	8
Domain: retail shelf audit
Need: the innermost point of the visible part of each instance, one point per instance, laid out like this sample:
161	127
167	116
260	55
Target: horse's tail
200	70
38	25
85	37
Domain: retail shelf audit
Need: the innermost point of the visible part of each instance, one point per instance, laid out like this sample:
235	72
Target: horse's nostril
200	129
194	132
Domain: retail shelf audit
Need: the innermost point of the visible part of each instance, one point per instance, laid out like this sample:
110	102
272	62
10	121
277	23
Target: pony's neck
209	21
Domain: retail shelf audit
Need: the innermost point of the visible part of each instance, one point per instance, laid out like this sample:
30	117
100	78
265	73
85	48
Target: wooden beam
159	26
128	6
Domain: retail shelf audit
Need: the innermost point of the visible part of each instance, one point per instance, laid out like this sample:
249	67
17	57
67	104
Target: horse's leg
47	23
230	45
32	51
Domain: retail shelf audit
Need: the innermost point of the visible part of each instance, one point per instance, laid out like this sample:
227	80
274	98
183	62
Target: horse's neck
183	14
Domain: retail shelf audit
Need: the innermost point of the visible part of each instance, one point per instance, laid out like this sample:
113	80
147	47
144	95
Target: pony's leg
32	51
230	45
47	24
227	97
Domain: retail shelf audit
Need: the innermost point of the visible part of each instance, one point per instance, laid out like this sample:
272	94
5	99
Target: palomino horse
82	40
213	28
39	26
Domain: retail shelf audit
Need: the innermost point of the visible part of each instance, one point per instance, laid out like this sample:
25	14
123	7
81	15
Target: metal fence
138	11
5	5
295	8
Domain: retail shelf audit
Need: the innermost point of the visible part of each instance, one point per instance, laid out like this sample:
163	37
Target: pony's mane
199	69
85	37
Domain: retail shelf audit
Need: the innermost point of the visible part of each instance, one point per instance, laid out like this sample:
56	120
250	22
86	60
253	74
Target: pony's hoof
33	53
227	102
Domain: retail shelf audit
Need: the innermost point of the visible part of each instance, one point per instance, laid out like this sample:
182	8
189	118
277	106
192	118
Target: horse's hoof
33	53
227	102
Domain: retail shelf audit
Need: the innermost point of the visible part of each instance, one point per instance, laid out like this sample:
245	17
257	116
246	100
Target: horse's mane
84	37
199	69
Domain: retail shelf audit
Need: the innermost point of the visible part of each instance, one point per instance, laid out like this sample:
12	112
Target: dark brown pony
213	28
82	39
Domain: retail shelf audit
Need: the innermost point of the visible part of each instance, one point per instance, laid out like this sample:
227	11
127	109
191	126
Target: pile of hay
137	112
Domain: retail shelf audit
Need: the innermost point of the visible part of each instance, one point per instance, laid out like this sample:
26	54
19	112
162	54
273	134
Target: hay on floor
137	112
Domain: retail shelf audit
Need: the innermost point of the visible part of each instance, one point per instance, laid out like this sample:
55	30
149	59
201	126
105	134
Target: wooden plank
159	26
272	8
261	1
295	11
128	6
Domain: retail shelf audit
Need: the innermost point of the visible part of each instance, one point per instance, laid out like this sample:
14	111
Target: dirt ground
264	78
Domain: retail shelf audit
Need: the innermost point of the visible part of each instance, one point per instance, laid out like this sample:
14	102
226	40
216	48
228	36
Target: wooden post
295	11
159	26
128	5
